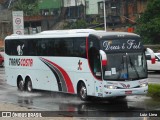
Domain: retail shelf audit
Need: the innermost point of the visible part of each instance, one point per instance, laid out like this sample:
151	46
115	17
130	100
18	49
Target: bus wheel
20	84
82	92
29	85
3	64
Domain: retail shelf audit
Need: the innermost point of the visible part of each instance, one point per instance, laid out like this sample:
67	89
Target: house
52	11
74	9
121	11
92	7
50	7
132	9
49	10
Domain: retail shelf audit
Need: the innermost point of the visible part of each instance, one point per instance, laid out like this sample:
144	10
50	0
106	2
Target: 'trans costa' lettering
20	62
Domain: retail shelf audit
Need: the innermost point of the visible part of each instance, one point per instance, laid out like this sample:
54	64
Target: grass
154	91
99	28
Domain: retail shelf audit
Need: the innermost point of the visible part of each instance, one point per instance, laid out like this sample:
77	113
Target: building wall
141	6
92	7
71	3
50	4
131	9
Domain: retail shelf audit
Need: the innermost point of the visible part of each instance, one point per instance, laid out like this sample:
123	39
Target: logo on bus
125	86
20	62
79	65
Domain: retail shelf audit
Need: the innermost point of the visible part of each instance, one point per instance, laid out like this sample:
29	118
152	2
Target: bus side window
31	48
80	47
61	49
51	48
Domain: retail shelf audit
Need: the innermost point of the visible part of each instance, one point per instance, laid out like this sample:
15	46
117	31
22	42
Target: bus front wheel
82	92
29	85
3	64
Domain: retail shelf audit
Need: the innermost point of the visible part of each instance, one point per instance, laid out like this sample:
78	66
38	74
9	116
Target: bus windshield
125	59
125	66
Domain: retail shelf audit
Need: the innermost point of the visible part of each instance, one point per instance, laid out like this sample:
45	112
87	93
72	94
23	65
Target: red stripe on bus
65	75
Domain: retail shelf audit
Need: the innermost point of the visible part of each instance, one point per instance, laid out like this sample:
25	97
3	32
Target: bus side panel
40	75
46	74
88	79
11	76
77	69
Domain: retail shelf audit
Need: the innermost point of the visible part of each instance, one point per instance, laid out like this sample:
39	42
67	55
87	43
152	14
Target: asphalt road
154	77
70	105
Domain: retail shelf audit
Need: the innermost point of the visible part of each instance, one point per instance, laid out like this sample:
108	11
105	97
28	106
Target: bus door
95	64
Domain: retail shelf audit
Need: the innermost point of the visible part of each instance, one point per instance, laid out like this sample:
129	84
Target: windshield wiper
132	65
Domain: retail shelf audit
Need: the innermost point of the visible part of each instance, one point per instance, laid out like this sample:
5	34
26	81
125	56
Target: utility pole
9	3
104	7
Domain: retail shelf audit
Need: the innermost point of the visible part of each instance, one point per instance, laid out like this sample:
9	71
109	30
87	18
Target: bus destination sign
121	45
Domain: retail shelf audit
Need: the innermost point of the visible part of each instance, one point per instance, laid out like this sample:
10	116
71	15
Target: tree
29	7
148	26
79	24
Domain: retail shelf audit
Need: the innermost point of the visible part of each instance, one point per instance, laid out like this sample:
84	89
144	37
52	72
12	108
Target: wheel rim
2	64
29	86
20	85
83	92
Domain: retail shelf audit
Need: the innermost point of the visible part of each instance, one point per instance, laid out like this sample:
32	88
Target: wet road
50	101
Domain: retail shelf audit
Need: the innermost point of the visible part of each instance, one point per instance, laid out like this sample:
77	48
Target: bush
79	24
154	90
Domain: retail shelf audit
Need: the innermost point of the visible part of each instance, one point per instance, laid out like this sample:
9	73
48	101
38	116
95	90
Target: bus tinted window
42	47
64	47
13	47
80	47
75	47
30	47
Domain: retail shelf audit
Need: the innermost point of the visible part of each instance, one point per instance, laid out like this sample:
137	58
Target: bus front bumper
125	92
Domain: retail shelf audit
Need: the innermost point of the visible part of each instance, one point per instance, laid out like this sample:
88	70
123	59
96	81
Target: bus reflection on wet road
71	105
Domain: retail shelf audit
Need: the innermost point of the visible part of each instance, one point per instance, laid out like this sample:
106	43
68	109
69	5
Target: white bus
85	62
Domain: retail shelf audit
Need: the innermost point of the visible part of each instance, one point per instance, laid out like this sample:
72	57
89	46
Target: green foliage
29	7
79	24
154	90
148	26
99	28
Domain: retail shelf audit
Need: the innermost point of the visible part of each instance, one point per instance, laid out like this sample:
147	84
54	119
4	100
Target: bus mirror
103	58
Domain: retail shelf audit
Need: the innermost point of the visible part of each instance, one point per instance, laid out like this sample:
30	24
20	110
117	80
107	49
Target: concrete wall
92	7
71	3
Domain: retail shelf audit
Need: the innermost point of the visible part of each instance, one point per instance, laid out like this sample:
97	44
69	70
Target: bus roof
70	33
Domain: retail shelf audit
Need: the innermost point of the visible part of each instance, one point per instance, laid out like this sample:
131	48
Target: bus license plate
128	92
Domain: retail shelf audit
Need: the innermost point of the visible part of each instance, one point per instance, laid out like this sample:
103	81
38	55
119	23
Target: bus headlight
144	85
110	87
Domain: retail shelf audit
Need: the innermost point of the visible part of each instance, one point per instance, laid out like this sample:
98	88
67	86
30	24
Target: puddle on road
27	94
137	98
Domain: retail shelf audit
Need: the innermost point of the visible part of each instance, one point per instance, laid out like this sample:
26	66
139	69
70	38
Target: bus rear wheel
82	92
29	85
